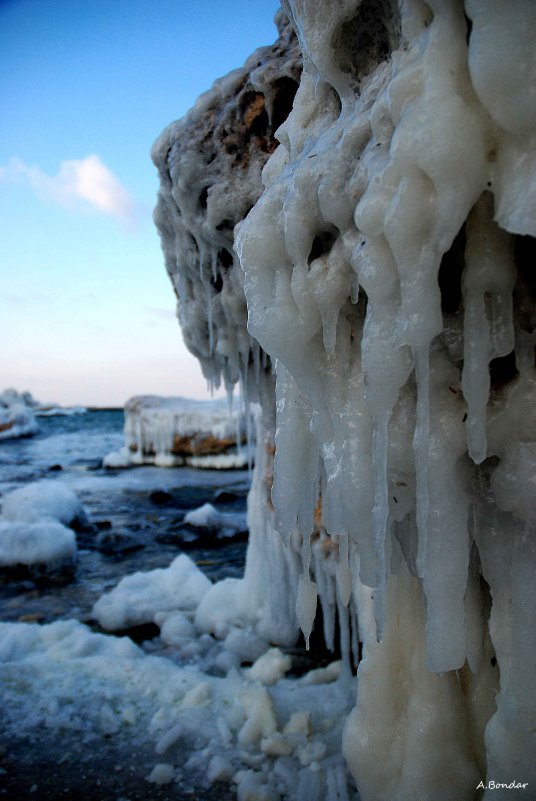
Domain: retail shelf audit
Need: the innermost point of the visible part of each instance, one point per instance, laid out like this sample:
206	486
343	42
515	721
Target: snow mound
140	597
34	529
48	545
44	500
62	641
64	677
224	524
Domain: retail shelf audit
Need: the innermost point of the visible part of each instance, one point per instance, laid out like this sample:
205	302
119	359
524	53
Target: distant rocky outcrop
17	414
170	432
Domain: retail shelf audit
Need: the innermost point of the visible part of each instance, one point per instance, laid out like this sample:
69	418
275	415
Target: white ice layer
47	499
34	526
269	741
170	432
140	597
224	524
387	273
46	544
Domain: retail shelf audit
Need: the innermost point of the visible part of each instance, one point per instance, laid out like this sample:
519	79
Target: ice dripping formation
387	268
210	167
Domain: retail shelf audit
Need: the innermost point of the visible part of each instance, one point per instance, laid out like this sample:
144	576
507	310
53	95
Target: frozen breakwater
170	432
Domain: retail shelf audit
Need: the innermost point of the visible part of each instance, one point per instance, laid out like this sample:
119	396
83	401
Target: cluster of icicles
386	272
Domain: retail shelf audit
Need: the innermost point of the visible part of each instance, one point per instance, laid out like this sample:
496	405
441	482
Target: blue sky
86	86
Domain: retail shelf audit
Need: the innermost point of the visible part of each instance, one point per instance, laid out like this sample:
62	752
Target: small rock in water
113	542
55	468
160	497
229	496
103	525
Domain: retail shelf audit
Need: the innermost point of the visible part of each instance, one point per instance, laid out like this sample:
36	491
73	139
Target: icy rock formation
17	414
386	268
171	432
210	166
35	528
141	596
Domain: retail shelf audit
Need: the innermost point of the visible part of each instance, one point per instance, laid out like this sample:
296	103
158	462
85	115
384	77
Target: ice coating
17	414
34	533
139	597
387	273
170	432
210	166
46	545
44	500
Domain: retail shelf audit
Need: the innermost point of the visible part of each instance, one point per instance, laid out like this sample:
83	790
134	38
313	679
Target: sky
87	313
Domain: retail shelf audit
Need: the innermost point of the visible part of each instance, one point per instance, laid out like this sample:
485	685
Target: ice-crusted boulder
36	548
387	271
138	598
36	528
18	411
47	499
170	432
17	414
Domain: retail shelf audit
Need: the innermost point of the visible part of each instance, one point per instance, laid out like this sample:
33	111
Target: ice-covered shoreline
18	411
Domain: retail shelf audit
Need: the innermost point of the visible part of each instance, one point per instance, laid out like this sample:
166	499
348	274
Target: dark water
136	514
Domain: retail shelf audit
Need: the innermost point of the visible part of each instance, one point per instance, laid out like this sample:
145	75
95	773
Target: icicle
307	593
306	605
344	640
344	575
354	289
208	293
354	633
201	247
420	447
380	514
490	273
255	349
214	265
326	593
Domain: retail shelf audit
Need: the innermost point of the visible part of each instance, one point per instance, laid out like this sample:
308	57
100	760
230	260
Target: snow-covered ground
203	716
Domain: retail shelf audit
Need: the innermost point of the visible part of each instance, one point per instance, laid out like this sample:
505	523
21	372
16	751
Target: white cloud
84	184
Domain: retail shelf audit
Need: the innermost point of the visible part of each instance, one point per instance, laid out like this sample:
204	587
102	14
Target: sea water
136	514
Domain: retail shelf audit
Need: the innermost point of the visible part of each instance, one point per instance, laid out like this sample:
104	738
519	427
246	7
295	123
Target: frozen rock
44	546
171	432
206	519
44	500
17	414
139	597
